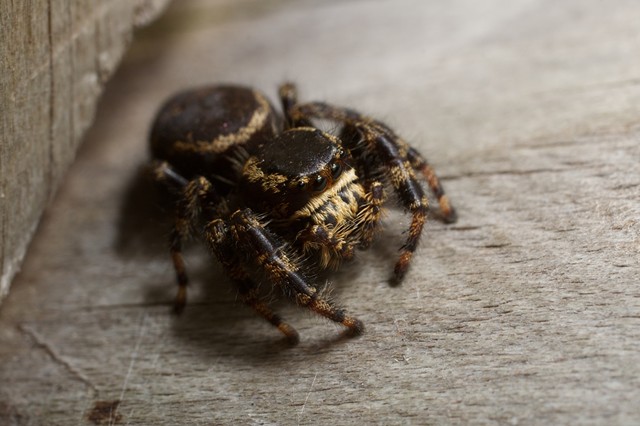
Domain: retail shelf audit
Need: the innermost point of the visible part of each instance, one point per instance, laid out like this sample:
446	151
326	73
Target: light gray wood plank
526	311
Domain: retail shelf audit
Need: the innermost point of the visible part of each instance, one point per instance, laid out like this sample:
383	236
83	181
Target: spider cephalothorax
276	200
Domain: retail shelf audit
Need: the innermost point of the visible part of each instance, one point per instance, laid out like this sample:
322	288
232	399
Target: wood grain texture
526	311
56	57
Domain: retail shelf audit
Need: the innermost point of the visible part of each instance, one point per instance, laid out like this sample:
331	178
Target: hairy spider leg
418	162
409	191
195	196
318	237
392	152
289	99
216	235
250	296
246	234
372	212
162	172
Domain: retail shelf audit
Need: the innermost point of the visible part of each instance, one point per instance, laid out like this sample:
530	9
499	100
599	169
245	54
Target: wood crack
55	356
506	173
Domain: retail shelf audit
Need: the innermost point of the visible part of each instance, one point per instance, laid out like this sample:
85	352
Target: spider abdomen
198	130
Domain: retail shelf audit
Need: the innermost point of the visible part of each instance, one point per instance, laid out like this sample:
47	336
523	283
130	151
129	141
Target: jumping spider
275	198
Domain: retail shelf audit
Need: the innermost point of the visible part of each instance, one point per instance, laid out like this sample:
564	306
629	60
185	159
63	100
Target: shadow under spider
145	219
216	324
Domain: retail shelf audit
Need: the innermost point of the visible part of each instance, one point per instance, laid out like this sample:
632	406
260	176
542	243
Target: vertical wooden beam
56	56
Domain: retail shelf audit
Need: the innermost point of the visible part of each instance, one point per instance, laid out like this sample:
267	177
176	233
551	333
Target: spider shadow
216	323
145	219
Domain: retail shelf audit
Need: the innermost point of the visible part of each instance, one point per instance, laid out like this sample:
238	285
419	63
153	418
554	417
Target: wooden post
56	57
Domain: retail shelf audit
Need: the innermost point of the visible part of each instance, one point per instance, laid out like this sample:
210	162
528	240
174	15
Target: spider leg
163	173
409	191
250	296
189	207
289	98
274	262
371	213
393	154
217	236
319	237
418	162
195	195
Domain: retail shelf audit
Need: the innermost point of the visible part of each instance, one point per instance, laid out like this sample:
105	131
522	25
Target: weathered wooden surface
527	311
56	56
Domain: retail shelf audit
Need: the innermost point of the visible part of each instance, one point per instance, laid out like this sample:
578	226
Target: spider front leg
219	242
258	248
370	214
332	248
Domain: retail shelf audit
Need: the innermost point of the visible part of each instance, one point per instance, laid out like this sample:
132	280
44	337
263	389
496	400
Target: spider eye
336	169
319	183
301	184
